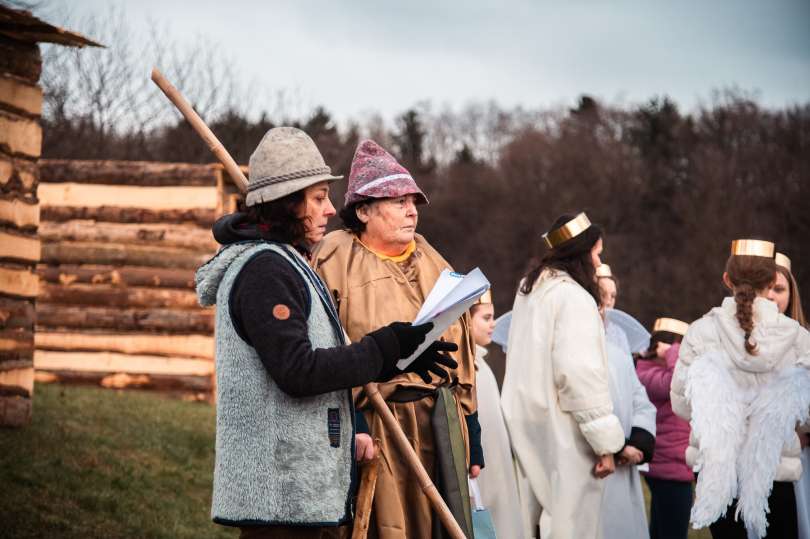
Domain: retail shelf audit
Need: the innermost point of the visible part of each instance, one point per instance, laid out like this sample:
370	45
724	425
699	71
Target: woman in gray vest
287	436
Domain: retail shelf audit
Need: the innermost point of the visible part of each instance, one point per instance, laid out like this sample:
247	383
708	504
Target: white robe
557	405
498	484
623	508
803	496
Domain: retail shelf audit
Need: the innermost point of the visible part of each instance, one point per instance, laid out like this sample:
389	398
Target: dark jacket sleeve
643	441
474	432
269	306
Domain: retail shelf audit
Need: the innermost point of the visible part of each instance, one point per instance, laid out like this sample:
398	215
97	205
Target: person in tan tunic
379	270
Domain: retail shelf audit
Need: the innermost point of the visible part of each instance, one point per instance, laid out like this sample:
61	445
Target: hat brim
279	190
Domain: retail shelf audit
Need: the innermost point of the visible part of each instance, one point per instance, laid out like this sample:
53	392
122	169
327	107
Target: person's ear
363	213
727	281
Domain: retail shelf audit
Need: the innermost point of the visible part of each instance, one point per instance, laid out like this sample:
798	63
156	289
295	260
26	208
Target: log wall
20	145
120	242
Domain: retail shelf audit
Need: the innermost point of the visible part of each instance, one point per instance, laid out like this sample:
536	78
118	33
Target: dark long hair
572	257
659	336
278	220
749	274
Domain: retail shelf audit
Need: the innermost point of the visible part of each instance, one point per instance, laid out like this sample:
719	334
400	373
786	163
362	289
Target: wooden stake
365	497
199	126
402	443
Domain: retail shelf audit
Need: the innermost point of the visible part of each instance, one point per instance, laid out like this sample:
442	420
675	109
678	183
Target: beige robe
371	292
557	404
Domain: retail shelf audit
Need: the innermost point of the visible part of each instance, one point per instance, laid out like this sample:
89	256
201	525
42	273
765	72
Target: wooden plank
17	313
22	136
118	276
19	213
153	198
20	59
194	346
18	175
142	173
111	296
66	252
21	96
121	380
18	282
204	217
15	411
113	319
163	235
19	247
16	345
17	382
48	360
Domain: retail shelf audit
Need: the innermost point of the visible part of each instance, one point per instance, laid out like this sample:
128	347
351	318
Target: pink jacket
672	432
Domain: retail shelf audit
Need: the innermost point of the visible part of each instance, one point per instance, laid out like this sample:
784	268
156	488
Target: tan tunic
371	292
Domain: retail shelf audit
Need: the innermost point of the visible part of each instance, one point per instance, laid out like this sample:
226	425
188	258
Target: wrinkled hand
475	471
630	455
364	449
604	466
429	361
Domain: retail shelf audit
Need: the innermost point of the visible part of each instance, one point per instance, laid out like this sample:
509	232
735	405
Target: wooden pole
199	126
402	443
365	497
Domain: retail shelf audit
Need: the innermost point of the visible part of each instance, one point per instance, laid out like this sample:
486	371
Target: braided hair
748	275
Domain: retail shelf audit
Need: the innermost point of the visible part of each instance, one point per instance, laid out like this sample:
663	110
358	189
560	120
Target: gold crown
604	271
752	248
571	229
486	297
782	260
671	325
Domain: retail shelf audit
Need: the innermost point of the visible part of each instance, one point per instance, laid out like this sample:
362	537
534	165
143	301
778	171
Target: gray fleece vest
279	459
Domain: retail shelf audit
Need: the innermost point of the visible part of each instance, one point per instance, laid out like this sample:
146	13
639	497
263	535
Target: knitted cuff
474	432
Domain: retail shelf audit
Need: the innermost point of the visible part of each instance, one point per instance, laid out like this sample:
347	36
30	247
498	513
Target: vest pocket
333	426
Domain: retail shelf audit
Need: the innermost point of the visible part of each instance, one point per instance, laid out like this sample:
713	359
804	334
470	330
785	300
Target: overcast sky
355	56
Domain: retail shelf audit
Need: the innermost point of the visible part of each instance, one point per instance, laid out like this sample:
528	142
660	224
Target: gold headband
671	325
752	248
604	271
571	229
486	297
782	260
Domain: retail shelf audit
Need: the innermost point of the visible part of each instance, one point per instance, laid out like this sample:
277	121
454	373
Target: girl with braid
742	380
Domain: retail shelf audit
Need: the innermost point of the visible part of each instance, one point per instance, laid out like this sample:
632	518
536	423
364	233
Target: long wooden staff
373	393
199	126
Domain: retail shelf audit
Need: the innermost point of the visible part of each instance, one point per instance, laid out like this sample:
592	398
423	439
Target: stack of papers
452	294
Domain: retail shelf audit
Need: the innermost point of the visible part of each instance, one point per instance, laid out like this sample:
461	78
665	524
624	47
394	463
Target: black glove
429	361
409	337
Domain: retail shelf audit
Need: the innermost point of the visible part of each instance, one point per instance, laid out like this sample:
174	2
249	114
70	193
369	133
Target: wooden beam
20	59
113	362
22	96
17	381
21	171
17	313
118	276
19	247
16	344
122	380
153	198
23	136
19	213
141	173
204	217
111	296
193	346
163	235
66	252
18	282
113	319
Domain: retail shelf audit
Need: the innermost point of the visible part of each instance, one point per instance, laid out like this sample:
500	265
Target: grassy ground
102	463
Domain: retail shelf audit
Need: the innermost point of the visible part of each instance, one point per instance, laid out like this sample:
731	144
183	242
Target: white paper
450	297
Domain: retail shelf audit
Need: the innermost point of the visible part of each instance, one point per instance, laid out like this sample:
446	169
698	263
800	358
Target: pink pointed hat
376	174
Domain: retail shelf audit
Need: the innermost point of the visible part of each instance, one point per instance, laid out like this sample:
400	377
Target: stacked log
20	144
120	245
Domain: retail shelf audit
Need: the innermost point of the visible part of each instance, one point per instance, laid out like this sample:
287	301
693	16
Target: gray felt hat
285	161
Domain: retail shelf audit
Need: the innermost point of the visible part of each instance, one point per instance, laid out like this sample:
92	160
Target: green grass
101	463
